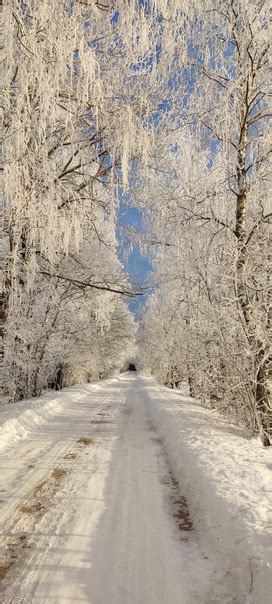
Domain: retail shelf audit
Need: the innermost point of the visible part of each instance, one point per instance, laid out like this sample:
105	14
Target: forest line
169	107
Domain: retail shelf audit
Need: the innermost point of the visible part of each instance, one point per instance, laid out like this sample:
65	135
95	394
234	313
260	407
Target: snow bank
226	477
18	420
19	427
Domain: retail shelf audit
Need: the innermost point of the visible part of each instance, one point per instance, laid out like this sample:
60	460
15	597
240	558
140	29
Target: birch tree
75	116
218	165
234	70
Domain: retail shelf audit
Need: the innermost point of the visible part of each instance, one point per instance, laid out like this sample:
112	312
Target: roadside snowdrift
223	473
18	420
226	477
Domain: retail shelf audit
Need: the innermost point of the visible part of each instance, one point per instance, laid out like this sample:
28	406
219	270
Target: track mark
86	440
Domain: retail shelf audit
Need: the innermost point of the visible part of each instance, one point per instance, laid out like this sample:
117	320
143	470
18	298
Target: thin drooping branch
86	284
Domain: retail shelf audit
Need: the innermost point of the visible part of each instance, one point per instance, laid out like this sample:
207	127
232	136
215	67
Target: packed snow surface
124	492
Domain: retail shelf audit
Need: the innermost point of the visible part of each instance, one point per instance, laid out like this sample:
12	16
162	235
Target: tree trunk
262	397
262	405
59	377
191	387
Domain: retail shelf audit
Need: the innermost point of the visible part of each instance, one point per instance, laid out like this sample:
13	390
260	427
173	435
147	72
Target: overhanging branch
84	284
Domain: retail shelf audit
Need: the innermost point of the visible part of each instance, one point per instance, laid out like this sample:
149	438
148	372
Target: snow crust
19	420
226	476
108	534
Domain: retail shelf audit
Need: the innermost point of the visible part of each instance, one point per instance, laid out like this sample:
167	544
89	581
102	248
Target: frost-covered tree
57	331
216	193
80	86
169	105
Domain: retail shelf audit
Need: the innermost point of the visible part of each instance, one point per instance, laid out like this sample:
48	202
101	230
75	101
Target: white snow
106	531
19	420
226	476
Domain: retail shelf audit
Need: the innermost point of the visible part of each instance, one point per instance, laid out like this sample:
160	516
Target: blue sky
136	264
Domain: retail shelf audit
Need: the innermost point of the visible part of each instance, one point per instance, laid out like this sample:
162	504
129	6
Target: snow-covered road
94	509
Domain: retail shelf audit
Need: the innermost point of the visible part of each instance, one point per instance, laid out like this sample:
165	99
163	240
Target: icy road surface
94	507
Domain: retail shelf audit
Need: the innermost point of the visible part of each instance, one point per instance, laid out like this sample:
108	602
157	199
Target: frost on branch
210	320
75	117
131	97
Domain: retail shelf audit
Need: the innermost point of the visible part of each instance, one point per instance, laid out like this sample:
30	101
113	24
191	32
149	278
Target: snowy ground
125	492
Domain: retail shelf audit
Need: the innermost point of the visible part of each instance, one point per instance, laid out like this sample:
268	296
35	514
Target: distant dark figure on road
132	367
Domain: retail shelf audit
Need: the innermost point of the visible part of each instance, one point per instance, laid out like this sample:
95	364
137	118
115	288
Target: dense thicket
165	106
75	116
208	320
